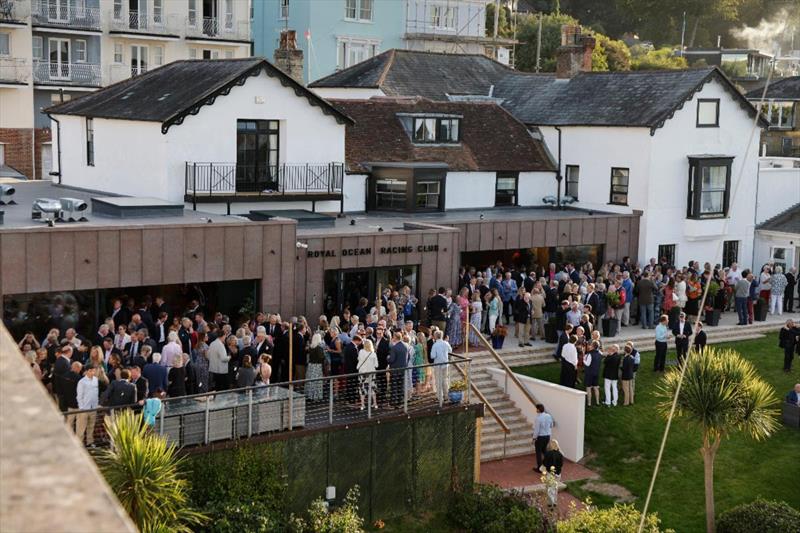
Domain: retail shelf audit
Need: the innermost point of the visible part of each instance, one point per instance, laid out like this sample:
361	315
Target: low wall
401	466
566	406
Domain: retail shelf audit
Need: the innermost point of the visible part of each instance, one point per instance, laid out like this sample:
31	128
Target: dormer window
436	130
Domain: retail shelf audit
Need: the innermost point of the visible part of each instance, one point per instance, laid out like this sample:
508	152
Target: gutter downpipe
58	154
559	177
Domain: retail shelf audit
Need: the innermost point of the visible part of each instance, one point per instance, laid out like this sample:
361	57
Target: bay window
709	187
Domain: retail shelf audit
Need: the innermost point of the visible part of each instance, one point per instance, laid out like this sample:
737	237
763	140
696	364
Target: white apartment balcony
64	14
118	73
82	74
217	28
14	13
14	71
145	22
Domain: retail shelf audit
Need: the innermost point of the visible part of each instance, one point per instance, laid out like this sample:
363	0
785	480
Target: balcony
63	14
118	73
144	22
232	182
14	71
215	28
14	12
82	74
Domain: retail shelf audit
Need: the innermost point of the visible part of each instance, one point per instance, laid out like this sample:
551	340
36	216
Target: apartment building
337	34
56	50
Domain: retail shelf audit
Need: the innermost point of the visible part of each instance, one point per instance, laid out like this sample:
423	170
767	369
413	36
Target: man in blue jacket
508	293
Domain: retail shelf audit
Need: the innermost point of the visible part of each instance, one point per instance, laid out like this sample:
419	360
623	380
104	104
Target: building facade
780	105
337	34
55	50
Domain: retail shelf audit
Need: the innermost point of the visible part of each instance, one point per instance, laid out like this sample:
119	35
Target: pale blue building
342	32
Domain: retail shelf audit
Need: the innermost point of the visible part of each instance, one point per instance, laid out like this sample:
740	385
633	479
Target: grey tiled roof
638	98
785	89
787	221
168	93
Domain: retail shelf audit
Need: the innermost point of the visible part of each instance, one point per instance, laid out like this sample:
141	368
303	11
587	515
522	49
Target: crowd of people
145	351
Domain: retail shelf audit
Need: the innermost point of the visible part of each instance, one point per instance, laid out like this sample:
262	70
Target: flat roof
396	222
19	216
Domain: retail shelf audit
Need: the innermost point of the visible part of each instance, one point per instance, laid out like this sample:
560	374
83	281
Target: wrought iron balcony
65	14
217	28
47	73
223	182
144	22
14	70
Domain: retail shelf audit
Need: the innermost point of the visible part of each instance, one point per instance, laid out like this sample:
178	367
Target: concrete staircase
495	443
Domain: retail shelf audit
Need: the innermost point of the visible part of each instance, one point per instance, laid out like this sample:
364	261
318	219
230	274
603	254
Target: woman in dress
421	358
264	369
495	306
316	356
693	293
367	364
454	324
200	358
476	309
680	291
176	379
246	374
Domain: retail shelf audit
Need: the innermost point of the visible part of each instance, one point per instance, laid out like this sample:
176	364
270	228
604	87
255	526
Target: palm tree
721	393
143	471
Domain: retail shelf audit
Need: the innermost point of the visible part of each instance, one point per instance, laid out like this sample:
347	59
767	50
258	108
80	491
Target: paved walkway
517	473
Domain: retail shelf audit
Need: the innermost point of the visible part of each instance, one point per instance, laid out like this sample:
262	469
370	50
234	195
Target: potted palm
711	311
456	391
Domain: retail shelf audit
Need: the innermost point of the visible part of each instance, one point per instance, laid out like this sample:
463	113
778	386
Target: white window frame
137	56
38	42
158	12
80	8
119	54
227	6
353	10
7	53
116	12
444	17
371	48
284	10
192	14
158	56
81	56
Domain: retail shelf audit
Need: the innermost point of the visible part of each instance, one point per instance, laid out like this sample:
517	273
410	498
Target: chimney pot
575	53
288	57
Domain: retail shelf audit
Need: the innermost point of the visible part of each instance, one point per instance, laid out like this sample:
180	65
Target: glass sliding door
59	59
257	148
138	60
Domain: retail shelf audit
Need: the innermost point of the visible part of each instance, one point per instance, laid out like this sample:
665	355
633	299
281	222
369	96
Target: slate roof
637	98
169	93
785	89
787	221
379	136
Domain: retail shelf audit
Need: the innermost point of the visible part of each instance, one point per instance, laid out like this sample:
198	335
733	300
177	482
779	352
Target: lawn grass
624	443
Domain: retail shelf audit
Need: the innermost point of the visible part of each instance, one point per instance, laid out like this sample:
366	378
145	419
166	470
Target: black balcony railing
223	180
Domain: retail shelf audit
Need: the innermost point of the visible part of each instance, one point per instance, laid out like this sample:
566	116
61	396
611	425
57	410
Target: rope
674	406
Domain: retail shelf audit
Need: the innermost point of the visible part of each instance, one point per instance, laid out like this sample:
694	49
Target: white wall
469	190
567	407
778	190
129	157
596	150
533	186
345	93
767	240
665	210
355	193
307	135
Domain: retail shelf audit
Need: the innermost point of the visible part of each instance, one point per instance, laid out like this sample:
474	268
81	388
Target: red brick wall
18	149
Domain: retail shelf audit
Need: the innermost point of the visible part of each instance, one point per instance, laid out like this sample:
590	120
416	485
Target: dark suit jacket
60	371
700	340
273	330
351	358
687	329
129	347
122	318
142	388
156	376
69	389
398	356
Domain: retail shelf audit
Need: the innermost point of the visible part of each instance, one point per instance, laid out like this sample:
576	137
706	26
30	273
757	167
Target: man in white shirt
569	363
88	398
440	355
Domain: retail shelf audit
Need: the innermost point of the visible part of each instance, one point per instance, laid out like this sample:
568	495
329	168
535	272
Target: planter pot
497	342
455	396
610	326
712	317
550	333
760	310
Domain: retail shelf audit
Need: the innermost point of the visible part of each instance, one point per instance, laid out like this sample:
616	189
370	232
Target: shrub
343	519
617	519
760	515
230	517
488	509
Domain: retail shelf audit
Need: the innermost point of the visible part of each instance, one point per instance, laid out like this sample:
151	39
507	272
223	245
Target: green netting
433	448
463	448
392	470
349	464
307	466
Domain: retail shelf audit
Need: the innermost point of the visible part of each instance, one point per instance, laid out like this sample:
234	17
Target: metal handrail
509	373
488	405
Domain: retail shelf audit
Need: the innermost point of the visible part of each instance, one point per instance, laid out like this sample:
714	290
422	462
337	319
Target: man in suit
272	328
248	349
141	384
382	348
682	330
261	345
134	348
159	306
350	360
437	309
120	392
102	332
156	374
280	356
794	395
700	338
147	319
119	314
397	363
69	390
161	331
60	370
109	348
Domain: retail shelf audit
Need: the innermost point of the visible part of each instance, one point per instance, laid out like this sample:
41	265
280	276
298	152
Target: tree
663	58
616	54
617	519
527	33
504	28
721	394
142	470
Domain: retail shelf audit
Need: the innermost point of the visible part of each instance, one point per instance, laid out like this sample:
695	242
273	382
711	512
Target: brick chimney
575	53
288	57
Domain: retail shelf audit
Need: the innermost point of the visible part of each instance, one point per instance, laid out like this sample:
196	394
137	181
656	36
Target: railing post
369	396
194	187
405	391
210	177
306	180
291	404
250	412
161	419
208	406
285	177
440	393
330	400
